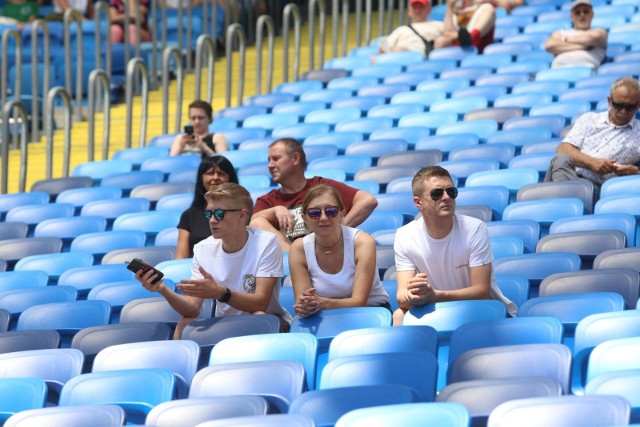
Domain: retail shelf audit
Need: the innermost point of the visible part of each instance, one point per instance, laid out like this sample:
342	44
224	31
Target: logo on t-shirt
249	283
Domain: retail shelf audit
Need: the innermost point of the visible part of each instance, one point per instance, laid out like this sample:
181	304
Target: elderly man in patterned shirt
602	145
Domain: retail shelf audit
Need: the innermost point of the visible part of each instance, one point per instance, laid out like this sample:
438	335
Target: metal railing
49	125
71	15
291	10
99	79
136	65
4	66
7	110
46	83
205	49
171	52
322	13
265	22
102	8
235	31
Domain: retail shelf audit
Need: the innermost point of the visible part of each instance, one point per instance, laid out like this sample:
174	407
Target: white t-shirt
340	285
79	5
404	38
261	256
447	261
593	134
589	58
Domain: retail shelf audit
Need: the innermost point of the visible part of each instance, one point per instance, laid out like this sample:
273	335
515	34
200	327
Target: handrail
322	12
401	15
7	109
48	126
136	64
264	21
153	29
368	17
99	8
99	77
46	78
166	57
291	9
205	48
358	6
345	25
4	66
73	15
189	37
236	30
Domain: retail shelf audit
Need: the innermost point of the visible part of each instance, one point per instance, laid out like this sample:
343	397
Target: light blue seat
613	221
269	121
424	97
348	63
12	200
555	122
333	116
379	71
548	26
110	415
21	394
302	347
626	67
446	317
388	90
334	174
162	140
69	228
26	279
299	108
352	83
127	181
570	74
431	120
85	278
382	221
300	131
395	111
279	381
536	266
151	222
138	155
597	329
397	202
623	384
505	79
544	211
327	96
269	100
122	388
377	148
553	411
298	88
412	78
494	196
364	103
531	66
624	258
169	164
567	109
100	168
620	186
507	245
524	100
151	254
551	87
543	146
482	128
433	65
494	60
582	189
411	158
453	52
408	414
620	204
446	85
514	286
365	125
460	106
54	264
111	209
538	161
317	151
463	168
403	58
472	73
512	361
446	143
592	94
18	300
512	48
385	174
222	124
571	308
513	179
34	214
339	139
384	368
235	136
503	152
400	184
613	355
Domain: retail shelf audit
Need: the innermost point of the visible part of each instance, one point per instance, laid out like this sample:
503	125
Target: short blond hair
233	192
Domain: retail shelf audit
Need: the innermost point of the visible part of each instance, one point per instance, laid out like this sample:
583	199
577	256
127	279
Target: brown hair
203	105
417	184
292	146
318	191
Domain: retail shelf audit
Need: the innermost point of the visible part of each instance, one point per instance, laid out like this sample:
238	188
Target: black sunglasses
627	107
218	214
437	193
329	211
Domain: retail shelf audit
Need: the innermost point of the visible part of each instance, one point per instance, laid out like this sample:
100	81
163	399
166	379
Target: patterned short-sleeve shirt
594	135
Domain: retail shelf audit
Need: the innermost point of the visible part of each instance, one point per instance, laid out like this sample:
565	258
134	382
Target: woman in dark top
197	139
192	227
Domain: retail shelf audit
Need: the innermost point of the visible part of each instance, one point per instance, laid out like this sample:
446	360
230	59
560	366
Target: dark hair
292	146
206	164
203	105
417	184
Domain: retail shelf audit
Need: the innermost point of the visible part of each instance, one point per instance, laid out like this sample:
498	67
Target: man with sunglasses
442	256
602	145
280	210
581	45
239	266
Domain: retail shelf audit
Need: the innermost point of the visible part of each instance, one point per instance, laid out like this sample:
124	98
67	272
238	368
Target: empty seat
588	244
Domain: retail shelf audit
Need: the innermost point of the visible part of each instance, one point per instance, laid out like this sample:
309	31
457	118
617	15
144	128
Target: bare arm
220	142
599	166
182	248
449	16
559	42
301	281
186	306
480	278
207	287
278	216
363	204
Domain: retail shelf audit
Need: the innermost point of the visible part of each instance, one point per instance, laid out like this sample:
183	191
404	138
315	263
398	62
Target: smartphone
137	264
188	129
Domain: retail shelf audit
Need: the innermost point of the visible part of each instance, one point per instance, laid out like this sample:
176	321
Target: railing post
102	8
322	12
166	57
205	48
235	30
68	107
335	14
7	109
291	9
4	66
75	16
264	22
136	64
46	78
368	18
99	77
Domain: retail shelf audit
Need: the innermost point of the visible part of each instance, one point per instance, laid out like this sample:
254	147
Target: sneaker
464	38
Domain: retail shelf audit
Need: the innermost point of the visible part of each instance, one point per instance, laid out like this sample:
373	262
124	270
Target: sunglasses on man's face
437	193
329	211
627	107
218	214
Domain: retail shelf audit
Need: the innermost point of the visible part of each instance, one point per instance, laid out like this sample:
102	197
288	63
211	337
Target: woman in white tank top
334	266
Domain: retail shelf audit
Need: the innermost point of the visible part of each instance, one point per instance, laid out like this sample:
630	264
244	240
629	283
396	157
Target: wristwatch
226	296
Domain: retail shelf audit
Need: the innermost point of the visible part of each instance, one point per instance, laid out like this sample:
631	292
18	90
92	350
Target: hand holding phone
137	264
188	129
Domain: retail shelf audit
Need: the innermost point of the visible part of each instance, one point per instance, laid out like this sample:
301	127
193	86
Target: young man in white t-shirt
239	266
442	256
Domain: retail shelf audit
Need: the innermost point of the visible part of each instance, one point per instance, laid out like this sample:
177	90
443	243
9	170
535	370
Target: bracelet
226	296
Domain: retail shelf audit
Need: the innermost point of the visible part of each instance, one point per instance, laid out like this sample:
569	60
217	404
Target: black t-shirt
192	221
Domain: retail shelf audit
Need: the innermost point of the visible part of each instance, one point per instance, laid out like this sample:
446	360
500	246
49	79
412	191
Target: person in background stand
468	23
197	139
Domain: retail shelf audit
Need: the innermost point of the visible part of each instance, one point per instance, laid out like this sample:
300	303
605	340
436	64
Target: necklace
329	249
